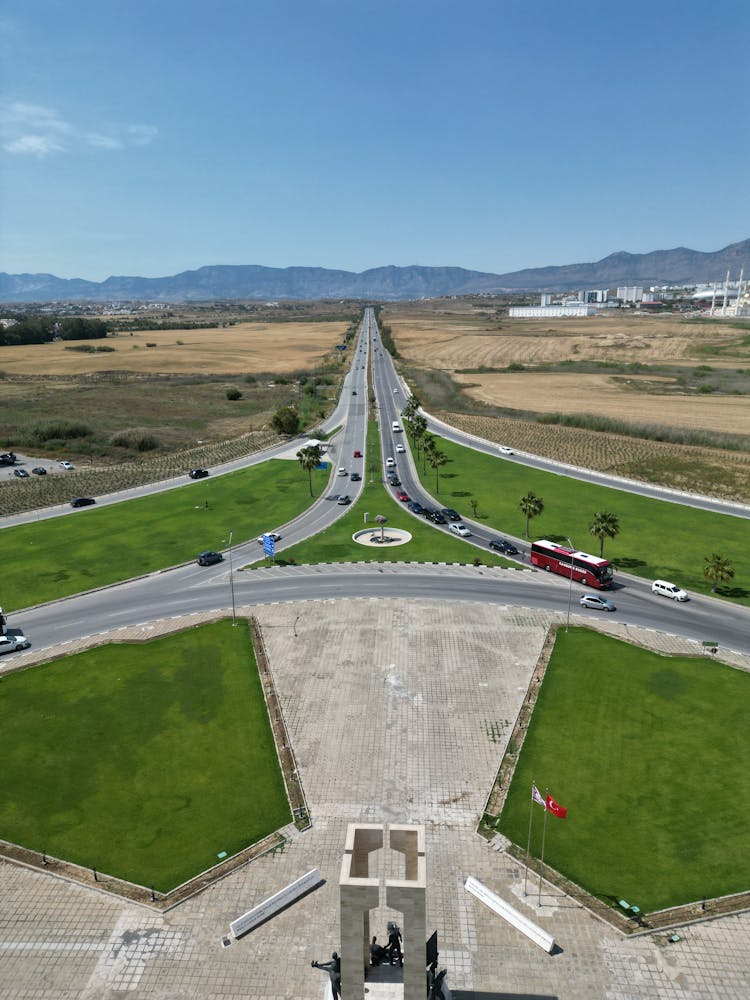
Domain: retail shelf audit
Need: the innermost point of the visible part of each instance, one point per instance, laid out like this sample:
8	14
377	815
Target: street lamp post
570	587
231	581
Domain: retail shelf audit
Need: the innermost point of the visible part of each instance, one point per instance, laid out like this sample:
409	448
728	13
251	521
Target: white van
667	589
396	427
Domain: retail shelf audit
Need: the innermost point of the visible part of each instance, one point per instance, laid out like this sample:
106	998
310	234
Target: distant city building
529	312
630	293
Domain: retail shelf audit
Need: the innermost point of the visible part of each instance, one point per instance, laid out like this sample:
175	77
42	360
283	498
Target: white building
630	293
530	312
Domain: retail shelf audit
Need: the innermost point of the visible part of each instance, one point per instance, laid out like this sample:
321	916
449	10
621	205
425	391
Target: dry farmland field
684	381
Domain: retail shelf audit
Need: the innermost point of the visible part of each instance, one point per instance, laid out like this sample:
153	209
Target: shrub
151	344
135	439
234	394
65	430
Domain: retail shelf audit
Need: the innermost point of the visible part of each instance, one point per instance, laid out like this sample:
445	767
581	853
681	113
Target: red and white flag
555	808
536	796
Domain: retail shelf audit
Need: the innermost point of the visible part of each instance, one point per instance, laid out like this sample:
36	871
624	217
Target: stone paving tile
398	712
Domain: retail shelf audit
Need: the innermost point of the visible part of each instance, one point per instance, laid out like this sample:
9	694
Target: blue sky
155	136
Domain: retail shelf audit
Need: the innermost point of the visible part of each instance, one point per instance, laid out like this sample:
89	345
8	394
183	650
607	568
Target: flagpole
528	842
544	834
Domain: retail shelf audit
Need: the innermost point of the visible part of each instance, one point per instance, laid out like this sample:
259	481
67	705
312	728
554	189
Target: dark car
394	481
39	471
198	473
209	558
450	514
21	473
436	517
415	507
355	477
82	502
503	545
426	512
354	392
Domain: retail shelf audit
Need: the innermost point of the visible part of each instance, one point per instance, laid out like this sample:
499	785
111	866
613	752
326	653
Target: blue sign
269	545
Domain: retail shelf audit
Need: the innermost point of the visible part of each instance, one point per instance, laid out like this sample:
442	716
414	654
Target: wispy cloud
36	130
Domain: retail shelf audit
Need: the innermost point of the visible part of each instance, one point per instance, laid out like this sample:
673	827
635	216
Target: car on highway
342	471
450	514
505	450
272	534
10	643
393	480
666	589
344	500
396	389
436	517
68	466
400	448
82	502
403	497
355	477
390	462
459	528
504	546
20	473
597	602
39	471
358	454
354	392
209	558
198	473
415	507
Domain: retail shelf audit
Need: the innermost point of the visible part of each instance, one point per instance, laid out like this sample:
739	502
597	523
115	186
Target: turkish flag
555	808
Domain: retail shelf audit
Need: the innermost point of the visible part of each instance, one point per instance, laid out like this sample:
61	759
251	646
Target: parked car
503	545
400	447
344	500
39	471
597	602
209	558
10	643
403	497
68	466
21	473
415	507
355	477
505	450
82	502
459	528
198	473
450	514
273	534
666	589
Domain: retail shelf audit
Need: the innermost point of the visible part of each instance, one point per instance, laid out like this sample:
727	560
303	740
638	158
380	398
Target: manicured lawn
144	761
95	546
657	539
428	544
650	756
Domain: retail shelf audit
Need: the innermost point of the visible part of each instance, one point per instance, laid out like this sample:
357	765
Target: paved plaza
399	713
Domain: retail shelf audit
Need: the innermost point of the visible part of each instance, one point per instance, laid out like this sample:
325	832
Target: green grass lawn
657	539
95	546
144	761
428	543
650	756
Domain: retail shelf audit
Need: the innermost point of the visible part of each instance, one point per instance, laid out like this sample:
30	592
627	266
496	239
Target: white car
505	450
390	462
667	589
67	466
400	448
271	534
342	471
459	528
9	643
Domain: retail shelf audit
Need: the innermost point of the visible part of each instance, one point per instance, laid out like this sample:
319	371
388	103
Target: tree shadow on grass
629	563
732	592
461	493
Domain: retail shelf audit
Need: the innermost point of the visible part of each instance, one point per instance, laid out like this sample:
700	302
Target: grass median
118	758
428	543
648	754
96	546
657	539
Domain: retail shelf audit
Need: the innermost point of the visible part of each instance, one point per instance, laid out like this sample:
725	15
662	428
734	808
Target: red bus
582	567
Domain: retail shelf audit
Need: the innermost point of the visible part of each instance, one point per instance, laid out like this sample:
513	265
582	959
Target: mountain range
680	266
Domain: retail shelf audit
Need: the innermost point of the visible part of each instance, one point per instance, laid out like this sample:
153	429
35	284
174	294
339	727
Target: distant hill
252	281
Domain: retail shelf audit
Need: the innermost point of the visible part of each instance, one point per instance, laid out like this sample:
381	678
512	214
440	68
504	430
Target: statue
394	944
333	969
377	953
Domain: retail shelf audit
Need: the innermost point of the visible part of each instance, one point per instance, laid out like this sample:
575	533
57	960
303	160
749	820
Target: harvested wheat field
240	349
610	397
467	340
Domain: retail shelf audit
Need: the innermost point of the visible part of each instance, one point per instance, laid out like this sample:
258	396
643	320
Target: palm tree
531	505
309	459
382	521
437	459
410	410
428	447
718	569
604	525
418	429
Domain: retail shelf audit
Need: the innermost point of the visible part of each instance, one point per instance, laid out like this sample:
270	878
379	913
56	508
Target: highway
187	589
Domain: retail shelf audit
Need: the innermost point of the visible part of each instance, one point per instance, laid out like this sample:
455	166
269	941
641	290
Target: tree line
45	329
